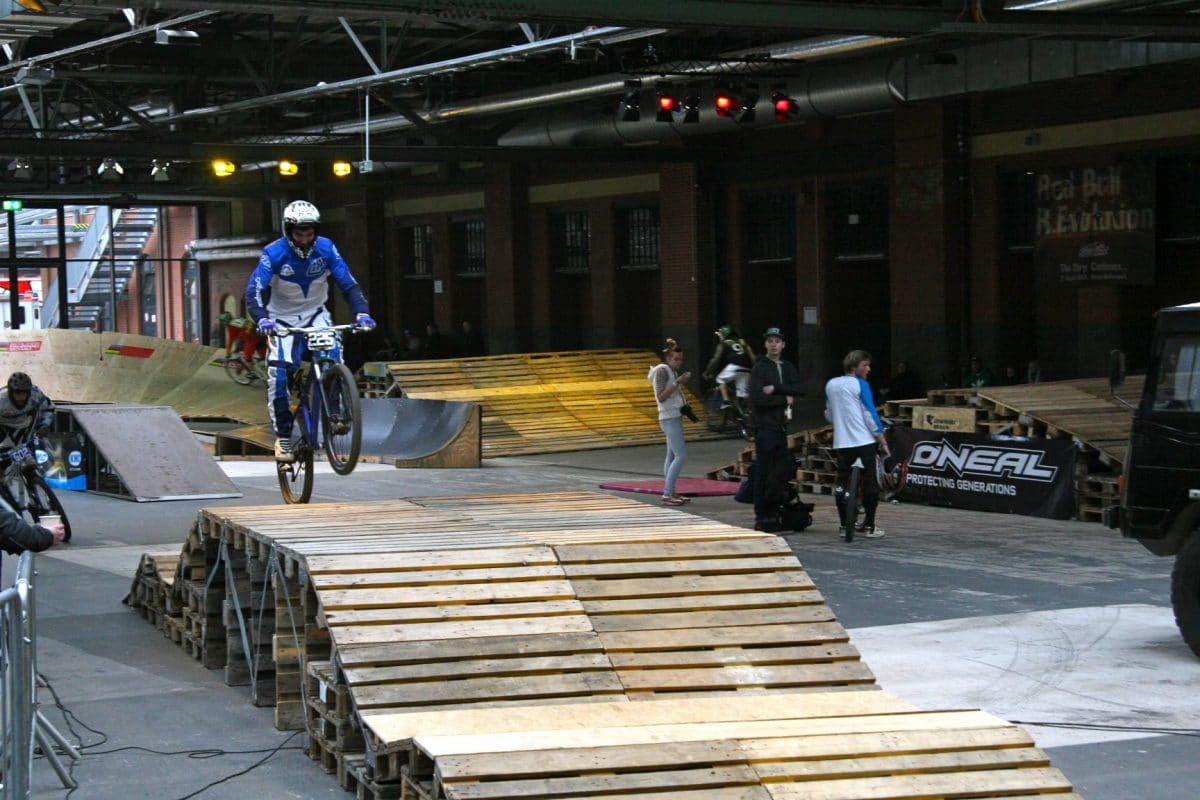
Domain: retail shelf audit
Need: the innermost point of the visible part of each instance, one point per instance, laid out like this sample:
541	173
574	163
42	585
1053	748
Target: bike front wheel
296	477
238	371
341	418
43	501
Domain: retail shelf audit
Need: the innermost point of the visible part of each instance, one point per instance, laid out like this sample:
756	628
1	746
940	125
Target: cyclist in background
24	410
733	358
290	285
857	434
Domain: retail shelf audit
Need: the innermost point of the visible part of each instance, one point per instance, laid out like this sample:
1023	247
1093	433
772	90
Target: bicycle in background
730	417
246	373
325	401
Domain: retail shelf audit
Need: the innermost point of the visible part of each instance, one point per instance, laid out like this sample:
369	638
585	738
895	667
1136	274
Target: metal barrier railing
21	723
17	682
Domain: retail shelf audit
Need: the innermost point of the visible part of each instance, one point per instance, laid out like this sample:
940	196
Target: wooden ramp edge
544	402
560	645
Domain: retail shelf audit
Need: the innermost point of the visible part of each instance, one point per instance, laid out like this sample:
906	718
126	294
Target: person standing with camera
668	393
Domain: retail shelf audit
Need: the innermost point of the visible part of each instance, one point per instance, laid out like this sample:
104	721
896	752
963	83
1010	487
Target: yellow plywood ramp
549	402
564	645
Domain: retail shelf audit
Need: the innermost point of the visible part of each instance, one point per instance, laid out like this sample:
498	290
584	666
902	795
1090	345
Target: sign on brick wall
1095	225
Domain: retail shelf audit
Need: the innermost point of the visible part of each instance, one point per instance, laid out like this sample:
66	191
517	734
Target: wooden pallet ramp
554	645
544	402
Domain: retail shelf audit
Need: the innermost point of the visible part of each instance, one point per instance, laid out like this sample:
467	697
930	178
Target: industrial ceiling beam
79	149
764	15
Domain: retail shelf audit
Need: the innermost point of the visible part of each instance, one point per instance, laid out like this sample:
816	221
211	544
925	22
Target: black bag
796	515
686	410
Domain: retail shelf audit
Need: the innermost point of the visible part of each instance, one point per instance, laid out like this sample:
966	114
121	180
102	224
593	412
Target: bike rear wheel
296	477
238	371
341	418
43	501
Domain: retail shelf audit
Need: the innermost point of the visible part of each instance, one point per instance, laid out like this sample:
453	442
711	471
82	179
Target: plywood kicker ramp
573	645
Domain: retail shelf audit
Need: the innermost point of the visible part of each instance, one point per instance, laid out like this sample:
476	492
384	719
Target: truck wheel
1185	592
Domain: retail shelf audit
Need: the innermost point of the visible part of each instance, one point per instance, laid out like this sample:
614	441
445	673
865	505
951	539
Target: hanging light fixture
160	170
342	168
21	168
223	167
110	170
288	167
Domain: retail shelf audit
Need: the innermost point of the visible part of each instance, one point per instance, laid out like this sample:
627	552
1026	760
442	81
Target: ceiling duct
835	90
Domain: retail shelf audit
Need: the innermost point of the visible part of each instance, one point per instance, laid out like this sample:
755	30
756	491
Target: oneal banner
975	471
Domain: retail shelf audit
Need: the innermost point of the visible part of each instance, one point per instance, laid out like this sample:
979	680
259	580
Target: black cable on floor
86	749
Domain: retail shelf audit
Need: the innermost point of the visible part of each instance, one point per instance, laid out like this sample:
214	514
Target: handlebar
285	329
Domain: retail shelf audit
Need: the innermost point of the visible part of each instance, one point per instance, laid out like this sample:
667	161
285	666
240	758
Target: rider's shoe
283	449
726	405
869	531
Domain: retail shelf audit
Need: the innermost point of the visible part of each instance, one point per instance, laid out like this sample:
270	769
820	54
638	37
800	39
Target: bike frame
312	390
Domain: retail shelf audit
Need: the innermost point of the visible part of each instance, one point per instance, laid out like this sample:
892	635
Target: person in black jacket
773	384
17	535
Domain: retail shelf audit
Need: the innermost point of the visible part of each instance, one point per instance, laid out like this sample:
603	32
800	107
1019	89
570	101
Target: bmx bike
727	417
328	412
244	373
24	490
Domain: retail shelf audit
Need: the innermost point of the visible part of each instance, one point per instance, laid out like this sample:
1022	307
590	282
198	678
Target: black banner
1032	477
1095	225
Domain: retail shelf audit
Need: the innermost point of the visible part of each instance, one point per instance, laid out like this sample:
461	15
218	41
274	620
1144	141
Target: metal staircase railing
103	266
79	268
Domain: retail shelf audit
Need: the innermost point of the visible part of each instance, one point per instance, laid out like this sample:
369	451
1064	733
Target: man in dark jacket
773	384
17	535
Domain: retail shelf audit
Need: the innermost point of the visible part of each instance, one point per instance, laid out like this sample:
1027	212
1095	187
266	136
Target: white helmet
304	213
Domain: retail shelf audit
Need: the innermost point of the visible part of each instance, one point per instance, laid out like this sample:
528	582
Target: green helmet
727	332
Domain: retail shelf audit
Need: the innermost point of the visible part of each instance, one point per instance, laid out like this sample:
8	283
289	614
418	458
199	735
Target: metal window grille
770	226
419	246
470	247
572	232
640	238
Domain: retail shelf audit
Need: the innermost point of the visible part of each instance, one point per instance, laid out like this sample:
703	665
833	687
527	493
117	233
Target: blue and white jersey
850	406
293	290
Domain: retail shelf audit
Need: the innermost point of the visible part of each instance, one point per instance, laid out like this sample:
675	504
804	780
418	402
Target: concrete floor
1062	626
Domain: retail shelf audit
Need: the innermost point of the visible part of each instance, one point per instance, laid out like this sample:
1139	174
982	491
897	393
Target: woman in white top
669	396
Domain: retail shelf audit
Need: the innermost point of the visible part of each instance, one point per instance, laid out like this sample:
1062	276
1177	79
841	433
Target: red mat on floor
690	487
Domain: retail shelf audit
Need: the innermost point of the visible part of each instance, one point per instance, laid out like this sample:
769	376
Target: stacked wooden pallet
151	595
620	646
544	402
820	745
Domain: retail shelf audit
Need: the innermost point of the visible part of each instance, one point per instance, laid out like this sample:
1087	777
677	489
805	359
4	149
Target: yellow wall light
288	167
342	168
223	168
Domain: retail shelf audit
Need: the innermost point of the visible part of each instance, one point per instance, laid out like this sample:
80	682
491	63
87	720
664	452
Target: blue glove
365	321
267	327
